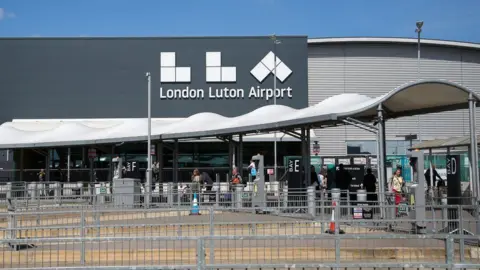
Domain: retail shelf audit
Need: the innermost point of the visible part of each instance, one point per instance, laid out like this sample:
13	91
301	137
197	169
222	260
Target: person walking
397	183
196	182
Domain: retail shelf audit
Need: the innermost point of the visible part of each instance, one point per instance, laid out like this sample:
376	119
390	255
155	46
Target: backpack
253	172
236	180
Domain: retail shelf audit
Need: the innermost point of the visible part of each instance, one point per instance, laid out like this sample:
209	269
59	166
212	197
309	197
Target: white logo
267	66
169	72
214	70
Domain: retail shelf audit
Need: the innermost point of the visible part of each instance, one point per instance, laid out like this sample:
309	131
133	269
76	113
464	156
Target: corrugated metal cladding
375	69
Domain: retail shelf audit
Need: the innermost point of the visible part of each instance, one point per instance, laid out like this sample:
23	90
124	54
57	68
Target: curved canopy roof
414	98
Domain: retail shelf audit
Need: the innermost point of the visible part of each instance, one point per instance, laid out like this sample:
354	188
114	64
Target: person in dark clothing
207	181
369	183
435	177
314	178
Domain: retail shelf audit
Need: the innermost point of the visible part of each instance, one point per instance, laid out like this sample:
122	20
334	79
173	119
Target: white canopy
419	97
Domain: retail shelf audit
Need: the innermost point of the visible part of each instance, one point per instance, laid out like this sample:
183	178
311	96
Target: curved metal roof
419	97
446	43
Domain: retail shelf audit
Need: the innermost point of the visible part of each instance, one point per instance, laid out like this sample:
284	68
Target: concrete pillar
239	196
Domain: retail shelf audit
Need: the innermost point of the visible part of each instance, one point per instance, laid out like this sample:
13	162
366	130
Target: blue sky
444	19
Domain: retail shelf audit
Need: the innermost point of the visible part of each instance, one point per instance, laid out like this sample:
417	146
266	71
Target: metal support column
175	162
69	153
92	174
160	162
84	159
111	172
148	173
240	155
22	164
474	146
175	189
230	153
382	170
306	170
48	160
430	165
308	156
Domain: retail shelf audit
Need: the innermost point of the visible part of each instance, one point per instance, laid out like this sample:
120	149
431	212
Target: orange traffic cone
331	229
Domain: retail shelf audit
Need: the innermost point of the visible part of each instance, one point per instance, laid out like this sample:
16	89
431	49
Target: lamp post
275	42
419	25
148	175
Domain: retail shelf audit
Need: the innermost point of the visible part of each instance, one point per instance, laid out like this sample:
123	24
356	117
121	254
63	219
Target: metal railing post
170	194
391	210
311	201
460	232
35	191
82	236
200	254
239	196
217	192
444	202
212	233
322	210
285	197
12	224
449	250
57	193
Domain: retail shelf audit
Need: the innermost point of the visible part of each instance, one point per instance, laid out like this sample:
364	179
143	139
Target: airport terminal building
97	82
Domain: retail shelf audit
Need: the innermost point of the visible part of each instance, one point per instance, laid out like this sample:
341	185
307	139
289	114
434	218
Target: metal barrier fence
162	194
52	231
231	237
246	252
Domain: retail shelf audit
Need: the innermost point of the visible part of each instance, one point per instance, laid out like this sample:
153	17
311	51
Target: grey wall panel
471	79
375	69
331	142
326	73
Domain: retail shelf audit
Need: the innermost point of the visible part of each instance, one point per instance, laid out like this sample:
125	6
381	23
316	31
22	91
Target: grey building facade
55	78
374	66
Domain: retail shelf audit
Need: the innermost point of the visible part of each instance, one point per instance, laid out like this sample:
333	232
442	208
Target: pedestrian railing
235	252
